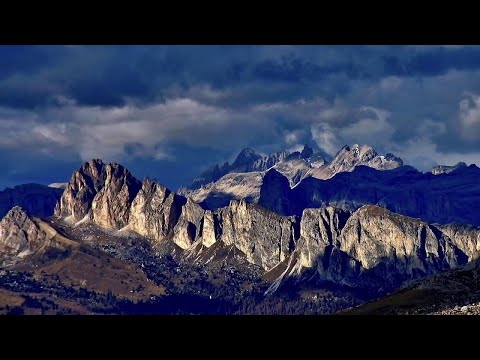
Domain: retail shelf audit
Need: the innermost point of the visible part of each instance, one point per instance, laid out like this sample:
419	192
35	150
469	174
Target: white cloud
469	116
325	138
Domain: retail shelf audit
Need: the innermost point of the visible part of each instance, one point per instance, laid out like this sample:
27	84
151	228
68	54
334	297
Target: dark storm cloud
108	75
144	104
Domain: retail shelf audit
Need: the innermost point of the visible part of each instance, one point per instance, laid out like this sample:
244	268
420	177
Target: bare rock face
111	205
19	235
210	225
80	191
444	169
375	248
407	246
189	225
371	247
155	210
350	157
265	237
232	186
466	238
319	229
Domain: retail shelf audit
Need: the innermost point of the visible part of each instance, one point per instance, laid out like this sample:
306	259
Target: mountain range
243	179
352	229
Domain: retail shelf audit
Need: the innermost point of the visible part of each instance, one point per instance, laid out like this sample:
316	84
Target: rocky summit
243	180
312	236
365	247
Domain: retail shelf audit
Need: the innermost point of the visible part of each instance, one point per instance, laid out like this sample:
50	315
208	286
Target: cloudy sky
171	111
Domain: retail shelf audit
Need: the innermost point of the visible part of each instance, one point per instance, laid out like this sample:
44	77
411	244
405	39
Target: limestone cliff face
466	238
155	210
111	205
102	192
19	234
189	225
265	237
319	230
370	247
375	248
392	246
80	191
24	236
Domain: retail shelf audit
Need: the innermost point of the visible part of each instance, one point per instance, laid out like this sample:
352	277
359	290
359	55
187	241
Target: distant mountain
444	169
22	235
136	238
453	197
245	177
36	199
348	158
368	248
247	161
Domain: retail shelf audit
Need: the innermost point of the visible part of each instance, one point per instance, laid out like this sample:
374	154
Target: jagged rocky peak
19	235
111	205
102	192
393	158
349	157
80	191
247	161
445	169
246	156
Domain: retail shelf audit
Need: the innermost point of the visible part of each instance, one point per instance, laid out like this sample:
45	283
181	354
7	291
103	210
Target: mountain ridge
244	181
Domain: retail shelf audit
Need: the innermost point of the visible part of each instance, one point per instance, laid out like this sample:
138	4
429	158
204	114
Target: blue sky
171	111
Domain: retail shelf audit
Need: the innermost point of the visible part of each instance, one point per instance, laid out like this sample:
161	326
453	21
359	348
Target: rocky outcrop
24	236
103	193
189	225
155	210
244	178
36	199
370	247
19	235
320	230
247	161
466	237
444	169
233	186
264	237
393	247
111	205
348	158
80	191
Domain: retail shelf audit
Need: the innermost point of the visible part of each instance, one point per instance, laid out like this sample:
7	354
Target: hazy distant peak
445	169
